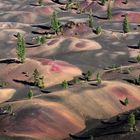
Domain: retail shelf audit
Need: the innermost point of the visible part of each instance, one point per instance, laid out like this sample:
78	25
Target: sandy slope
65	112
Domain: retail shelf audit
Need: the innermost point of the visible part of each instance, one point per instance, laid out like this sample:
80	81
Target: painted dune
42	118
80	78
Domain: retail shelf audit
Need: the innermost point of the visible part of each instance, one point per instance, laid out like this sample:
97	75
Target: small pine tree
98	78
90	19
41	39
78	5
138	58
132	122
126	1
98	30
41	82
55	23
88	75
36	77
64	84
139	44
40	2
126	101
30	94
109	12
69	2
137	81
103	2
76	80
126	27
20	50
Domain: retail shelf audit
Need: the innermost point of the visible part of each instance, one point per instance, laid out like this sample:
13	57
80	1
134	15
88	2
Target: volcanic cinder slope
55	112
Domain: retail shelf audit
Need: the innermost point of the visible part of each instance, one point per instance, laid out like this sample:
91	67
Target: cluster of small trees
98	29
87	76
65	84
38	80
126	26
41	39
21	45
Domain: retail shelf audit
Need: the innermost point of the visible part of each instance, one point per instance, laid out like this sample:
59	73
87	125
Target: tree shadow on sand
24	82
101	128
42	27
9	61
58	2
133	47
39	33
32	45
34	4
104	18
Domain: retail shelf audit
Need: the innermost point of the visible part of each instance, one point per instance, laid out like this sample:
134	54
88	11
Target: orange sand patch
6	94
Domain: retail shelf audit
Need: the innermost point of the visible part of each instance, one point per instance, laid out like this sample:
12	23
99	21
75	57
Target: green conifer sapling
20	49
98	30
55	23
109	12
126	27
30	94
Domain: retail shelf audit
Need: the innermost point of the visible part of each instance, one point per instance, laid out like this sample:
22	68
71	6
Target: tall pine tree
109	11
20	50
90	20
55	23
103	2
126	27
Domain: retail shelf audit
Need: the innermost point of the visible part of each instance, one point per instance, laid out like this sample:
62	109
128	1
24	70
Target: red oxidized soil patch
81	44
45	10
38	121
121	3
82	28
26	17
55	68
55	62
121	93
133	17
46	61
56	65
